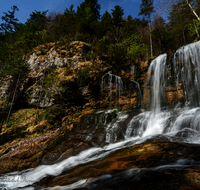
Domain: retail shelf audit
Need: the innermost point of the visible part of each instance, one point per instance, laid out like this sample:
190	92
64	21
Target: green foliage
117	14
130	49
53	87
115	39
105	23
77	114
12	61
194	28
10	22
180	18
89	9
51	79
81	37
135	49
53	115
82	76
33	32
146	7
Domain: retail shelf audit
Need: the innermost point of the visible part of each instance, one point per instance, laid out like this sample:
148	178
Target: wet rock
149	164
169	179
26	154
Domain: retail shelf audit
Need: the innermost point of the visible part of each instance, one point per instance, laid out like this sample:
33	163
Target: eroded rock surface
151	165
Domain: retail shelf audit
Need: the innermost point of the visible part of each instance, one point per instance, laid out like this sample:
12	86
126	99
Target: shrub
83	75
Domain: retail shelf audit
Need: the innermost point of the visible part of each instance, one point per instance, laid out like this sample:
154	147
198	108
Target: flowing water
179	124
113	82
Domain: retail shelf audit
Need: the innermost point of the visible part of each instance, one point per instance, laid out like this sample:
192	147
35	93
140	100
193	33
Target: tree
91	6
117	14
167	5
158	33
33	32
105	23
180	18
146	9
88	14
130	26
117	22
10	22
12	64
64	24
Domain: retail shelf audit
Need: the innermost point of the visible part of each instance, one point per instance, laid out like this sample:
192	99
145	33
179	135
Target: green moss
77	114
53	115
7	169
20	166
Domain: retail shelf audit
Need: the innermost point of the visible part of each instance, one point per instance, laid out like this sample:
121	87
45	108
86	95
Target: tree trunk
13	100
151	46
192	10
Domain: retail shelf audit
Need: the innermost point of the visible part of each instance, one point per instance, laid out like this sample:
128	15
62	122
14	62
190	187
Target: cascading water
113	81
177	124
186	63
138	85
156	77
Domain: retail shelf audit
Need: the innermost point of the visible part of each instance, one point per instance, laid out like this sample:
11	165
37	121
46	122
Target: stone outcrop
85	131
152	164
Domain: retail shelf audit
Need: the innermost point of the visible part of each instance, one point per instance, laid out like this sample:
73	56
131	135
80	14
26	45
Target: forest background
114	38
117	38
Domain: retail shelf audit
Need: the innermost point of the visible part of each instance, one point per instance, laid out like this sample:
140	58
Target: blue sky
131	7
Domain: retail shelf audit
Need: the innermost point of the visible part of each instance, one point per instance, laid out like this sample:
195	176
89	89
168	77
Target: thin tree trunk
4	113
151	46
38	104
184	37
2	120
13	100
192	10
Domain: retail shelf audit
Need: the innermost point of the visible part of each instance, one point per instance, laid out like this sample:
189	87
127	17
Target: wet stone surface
138	165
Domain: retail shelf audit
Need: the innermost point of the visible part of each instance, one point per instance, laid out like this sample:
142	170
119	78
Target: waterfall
175	124
186	63
156	78
137	84
114	83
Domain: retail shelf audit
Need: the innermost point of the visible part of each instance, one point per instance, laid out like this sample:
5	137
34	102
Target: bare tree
164	6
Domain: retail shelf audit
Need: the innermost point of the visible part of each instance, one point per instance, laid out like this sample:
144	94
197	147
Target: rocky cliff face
69	86
73	89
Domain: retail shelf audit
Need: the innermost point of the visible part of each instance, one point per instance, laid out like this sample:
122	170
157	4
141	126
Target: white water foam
143	126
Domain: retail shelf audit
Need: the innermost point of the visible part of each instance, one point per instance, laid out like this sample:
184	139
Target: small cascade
101	119
132	67
137	125
137	84
186	63
114	84
139	90
112	129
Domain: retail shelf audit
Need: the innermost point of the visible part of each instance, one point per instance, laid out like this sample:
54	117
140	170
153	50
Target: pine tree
117	14
105	23
117	22
146	9
9	21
